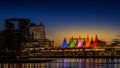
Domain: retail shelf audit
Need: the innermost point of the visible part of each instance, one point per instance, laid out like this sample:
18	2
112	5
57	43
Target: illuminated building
8	25
87	42
65	44
36	45
16	31
38	31
12	39
20	24
23	26
17	40
115	42
102	44
37	39
46	43
1	39
30	46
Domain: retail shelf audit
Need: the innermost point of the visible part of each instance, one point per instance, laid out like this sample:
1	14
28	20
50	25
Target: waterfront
69	63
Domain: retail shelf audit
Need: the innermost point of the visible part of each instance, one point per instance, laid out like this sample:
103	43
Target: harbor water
68	63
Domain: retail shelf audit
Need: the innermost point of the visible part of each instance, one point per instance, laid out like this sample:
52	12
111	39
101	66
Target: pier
77	52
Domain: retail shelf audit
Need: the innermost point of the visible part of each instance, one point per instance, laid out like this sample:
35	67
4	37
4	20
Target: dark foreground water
69	63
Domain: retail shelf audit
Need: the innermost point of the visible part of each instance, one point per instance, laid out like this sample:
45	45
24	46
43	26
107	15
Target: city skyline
64	18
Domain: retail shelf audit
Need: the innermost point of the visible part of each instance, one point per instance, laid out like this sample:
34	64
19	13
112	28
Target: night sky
67	18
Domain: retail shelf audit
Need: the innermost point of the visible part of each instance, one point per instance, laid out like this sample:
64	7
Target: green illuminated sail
72	43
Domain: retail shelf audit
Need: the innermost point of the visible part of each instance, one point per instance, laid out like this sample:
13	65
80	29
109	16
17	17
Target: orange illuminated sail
87	43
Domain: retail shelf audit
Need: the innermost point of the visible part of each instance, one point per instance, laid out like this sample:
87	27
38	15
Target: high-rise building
15	36
8	25
1	39
38	31
39	40
22	26
19	32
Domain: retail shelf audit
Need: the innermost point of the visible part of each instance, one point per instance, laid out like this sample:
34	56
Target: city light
81	43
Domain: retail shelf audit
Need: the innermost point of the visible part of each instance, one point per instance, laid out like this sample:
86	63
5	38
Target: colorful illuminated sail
72	43
87	43
79	43
95	43
65	44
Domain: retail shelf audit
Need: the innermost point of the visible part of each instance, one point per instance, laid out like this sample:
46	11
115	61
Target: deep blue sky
63	17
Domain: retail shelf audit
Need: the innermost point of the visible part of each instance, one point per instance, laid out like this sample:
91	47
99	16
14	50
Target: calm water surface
69	63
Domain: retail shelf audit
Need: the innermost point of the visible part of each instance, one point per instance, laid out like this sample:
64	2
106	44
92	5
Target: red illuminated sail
95	43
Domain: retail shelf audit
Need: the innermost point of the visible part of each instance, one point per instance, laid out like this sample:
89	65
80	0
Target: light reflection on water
68	63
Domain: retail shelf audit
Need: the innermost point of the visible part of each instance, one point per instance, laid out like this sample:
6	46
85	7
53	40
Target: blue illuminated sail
65	44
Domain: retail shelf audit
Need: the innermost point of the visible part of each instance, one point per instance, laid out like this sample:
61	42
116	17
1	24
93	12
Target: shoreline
25	61
49	60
